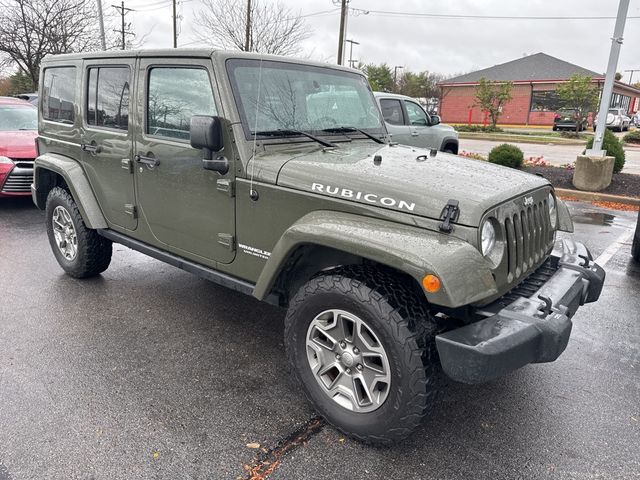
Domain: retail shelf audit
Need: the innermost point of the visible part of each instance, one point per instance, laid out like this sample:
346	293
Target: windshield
18	117
275	96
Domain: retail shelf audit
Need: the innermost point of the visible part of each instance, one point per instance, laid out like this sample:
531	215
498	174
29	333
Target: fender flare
78	184
465	275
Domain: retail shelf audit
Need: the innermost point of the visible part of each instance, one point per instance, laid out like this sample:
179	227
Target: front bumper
533	328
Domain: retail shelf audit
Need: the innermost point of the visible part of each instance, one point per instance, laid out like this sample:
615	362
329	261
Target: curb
520	139
598	197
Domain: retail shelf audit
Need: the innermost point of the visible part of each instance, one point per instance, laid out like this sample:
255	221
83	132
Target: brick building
534	101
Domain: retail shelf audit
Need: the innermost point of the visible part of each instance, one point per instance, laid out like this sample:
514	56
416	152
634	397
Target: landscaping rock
593	173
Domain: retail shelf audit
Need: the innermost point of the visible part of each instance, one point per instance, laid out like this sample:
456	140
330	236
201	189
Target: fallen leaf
253	445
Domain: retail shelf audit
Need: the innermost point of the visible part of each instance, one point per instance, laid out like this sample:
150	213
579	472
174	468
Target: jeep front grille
529	235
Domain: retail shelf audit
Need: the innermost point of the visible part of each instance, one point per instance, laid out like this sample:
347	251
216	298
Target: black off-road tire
93	253
399	317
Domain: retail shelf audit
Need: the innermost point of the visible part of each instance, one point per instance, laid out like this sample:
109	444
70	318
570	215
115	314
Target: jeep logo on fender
367	197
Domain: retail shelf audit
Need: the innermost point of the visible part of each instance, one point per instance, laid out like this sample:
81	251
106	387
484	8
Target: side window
58	94
392	111
174	95
108	97
417	115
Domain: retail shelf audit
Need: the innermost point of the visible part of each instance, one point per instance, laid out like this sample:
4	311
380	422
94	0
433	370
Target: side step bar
192	267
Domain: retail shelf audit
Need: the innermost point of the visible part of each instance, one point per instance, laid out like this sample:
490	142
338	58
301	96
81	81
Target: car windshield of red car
18	117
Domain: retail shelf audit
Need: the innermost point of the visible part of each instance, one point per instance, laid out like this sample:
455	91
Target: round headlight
488	237
553	216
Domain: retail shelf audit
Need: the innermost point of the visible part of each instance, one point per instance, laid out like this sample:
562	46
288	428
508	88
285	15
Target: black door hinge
130	209
450	214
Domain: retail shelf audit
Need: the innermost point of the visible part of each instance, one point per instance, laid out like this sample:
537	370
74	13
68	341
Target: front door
107	138
189	210
419	125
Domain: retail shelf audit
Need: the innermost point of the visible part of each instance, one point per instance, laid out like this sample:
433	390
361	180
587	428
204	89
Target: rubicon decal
363	196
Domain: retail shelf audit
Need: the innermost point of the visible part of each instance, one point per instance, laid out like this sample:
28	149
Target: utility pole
631	76
343	30
175	29
123	11
351	60
247	35
103	43
607	90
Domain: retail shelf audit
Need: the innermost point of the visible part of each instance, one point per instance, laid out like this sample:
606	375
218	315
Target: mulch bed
625	184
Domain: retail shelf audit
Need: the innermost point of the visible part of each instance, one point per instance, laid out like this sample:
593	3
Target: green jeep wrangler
276	177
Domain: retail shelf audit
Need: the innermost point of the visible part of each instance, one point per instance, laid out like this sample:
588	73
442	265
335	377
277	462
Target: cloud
442	45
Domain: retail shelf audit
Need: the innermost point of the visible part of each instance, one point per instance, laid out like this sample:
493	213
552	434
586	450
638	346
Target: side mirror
206	134
435	119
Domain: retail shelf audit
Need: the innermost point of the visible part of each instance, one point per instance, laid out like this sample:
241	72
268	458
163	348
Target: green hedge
632	137
507	155
613	147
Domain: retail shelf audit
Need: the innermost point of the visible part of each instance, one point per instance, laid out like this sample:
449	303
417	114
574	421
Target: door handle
151	161
90	147
414	133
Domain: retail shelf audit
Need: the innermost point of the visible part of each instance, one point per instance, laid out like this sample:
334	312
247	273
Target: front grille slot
18	183
528	233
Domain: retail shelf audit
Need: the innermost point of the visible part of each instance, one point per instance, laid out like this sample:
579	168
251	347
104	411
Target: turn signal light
431	283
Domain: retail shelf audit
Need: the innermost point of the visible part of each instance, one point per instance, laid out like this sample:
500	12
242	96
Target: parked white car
617	119
409	124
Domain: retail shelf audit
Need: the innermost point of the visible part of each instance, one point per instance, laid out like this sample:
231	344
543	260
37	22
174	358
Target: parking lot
150	372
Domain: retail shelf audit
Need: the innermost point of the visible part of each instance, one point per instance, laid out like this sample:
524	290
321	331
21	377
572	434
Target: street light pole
352	42
631	75
395	74
607	90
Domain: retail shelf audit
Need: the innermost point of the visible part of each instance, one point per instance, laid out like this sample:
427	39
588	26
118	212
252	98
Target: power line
479	17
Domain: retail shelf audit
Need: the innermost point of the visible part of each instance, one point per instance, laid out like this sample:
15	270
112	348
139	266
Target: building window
59	89
545	101
620	101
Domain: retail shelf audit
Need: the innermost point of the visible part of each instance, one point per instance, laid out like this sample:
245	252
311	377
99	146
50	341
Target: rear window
58	94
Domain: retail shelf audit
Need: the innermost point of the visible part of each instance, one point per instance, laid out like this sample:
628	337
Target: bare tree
31	29
274	28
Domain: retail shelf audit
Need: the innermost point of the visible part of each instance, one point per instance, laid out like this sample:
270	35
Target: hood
406	179
18	144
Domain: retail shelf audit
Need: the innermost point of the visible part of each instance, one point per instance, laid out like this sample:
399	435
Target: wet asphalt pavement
150	372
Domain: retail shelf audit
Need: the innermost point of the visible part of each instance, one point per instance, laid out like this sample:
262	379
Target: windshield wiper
353	129
287	132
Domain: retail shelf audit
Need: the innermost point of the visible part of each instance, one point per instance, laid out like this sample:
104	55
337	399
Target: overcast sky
445	45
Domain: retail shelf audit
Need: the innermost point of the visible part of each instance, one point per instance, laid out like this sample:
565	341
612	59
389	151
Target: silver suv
617	119
409	124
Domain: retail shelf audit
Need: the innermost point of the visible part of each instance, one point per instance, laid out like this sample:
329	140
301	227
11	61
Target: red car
18	131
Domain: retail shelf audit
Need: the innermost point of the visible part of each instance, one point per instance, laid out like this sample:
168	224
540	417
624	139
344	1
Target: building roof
537	67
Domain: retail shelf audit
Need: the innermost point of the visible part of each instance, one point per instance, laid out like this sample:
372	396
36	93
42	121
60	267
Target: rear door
395	119
189	210
107	138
